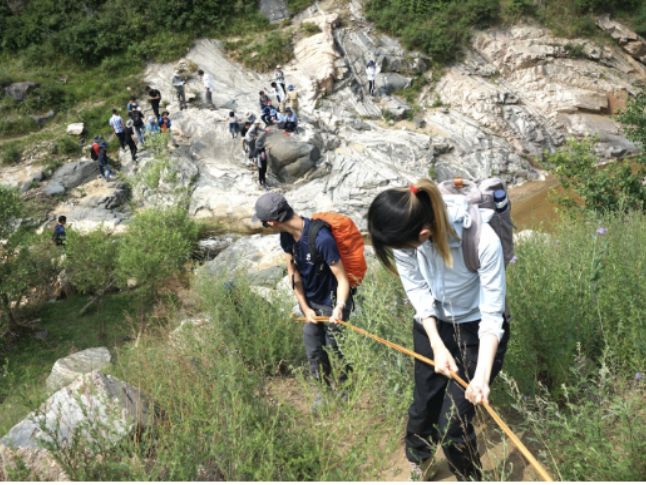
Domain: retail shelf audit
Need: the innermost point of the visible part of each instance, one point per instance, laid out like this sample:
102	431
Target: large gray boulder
94	407
19	91
274	10
631	42
72	175
290	158
68	368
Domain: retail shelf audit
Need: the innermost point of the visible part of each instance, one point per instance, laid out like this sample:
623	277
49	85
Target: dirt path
500	460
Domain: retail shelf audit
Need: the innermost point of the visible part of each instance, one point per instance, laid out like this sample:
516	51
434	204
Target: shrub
91	260
582	286
17	125
66	145
615	187
310	28
263	53
156	246
11	153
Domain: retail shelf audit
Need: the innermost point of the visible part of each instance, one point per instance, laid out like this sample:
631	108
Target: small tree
27	261
90	263
157	245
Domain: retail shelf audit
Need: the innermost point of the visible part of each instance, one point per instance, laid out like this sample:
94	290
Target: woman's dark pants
440	413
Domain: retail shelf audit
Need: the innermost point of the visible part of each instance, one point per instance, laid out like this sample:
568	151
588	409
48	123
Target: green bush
156	246
263	53
17	125
91	260
615	187
11	153
581	286
67	145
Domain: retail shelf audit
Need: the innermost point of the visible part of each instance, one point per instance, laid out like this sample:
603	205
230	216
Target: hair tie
413	188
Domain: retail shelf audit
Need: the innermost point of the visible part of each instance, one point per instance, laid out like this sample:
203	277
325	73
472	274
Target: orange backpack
348	240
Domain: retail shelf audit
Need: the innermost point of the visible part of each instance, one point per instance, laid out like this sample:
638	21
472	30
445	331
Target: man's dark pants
440	413
122	139
317	336
154	103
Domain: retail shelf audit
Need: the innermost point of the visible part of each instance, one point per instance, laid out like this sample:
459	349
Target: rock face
41	465
73	174
274	10
290	158
19	91
95	406
632	43
67	369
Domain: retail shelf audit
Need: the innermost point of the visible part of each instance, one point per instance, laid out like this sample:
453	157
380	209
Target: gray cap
272	206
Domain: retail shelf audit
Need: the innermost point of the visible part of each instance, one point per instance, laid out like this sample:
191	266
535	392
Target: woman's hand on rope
478	391
444	361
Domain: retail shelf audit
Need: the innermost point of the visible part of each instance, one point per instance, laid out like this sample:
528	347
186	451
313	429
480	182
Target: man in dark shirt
320	283
154	97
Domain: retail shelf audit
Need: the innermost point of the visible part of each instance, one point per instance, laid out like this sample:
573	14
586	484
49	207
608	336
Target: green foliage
582	286
633	119
264	52
598	432
91	260
297	6
615	187
246	318
156	246
435	27
66	145
17	124
11	209
310	28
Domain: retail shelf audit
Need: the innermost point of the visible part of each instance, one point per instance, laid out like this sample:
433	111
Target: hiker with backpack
137	117
292	98
279	77
59	231
263	99
325	261
99	152
279	92
253	133
451	263
154	98
261	159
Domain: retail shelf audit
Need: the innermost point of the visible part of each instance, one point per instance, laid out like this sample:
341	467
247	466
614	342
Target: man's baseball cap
272	206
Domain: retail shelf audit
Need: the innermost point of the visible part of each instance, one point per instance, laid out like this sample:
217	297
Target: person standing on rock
59	231
208	87
178	83
459	321
130	141
234	124
371	74
279	92
99	152
154	98
261	159
117	124
250	139
292	98
320	289
137	117
279	77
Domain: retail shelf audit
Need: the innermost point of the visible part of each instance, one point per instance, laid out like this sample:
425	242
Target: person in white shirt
371	74
459	321
208	87
279	77
119	127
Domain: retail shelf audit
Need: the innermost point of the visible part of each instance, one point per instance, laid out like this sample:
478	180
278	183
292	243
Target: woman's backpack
482	195
348	241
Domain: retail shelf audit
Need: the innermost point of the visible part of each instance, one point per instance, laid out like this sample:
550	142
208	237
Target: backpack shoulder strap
471	240
315	226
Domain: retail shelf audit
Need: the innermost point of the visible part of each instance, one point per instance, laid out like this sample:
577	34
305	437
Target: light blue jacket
457	294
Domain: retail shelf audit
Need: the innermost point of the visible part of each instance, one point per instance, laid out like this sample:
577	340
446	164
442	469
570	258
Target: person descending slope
459	317
317	270
371	74
178	83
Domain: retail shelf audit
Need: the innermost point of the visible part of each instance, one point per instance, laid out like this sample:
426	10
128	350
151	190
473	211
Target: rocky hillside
519	92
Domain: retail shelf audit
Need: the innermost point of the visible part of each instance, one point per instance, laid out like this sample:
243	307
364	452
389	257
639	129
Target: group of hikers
448	254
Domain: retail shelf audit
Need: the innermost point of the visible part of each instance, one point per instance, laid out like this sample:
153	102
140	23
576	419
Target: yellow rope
510	434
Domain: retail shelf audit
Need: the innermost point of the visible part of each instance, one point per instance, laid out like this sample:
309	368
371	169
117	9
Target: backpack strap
471	240
315	226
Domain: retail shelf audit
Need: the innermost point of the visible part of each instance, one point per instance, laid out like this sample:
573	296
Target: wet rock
68	368
19	91
95	407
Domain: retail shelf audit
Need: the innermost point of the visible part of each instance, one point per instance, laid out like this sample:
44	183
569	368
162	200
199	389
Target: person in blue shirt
291	122
320	284
59	231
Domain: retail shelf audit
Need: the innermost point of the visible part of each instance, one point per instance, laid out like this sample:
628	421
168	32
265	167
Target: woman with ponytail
459	317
